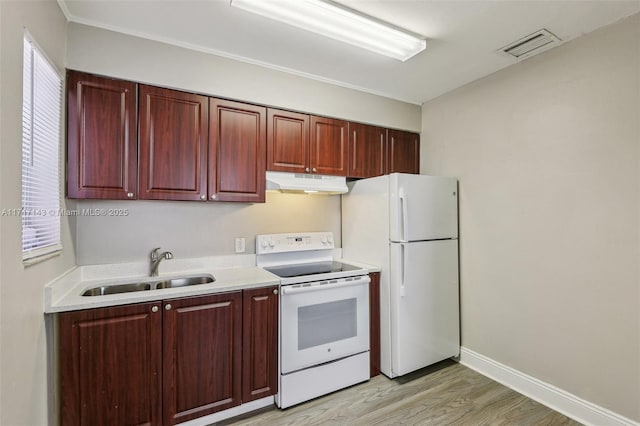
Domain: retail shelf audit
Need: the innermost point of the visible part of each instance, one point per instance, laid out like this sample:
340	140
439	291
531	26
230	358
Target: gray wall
23	386
547	153
119	55
202	229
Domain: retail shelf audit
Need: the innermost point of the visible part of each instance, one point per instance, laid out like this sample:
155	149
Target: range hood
309	183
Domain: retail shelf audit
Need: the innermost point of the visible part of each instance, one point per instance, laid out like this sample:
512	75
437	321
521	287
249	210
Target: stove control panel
292	242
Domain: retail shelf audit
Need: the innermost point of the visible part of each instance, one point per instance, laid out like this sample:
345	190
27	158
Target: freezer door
425	325
422	207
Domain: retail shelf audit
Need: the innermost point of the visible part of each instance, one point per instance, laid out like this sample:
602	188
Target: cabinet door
374	323
287	141
403	152
260	343
202	355
329	146
173	144
237	152
111	365
101	137
367	150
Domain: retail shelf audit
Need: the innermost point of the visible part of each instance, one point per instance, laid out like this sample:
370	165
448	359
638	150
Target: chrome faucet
156	259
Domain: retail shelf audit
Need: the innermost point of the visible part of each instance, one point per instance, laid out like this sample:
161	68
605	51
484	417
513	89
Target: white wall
547	154
23	386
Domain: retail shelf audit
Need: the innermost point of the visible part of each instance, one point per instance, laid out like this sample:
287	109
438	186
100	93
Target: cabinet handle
306	170
129	194
154	309
167	307
314	170
203	197
275	291
213	196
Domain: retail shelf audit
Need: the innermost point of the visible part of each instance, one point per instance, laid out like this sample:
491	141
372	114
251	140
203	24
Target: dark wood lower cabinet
202	355
111	366
167	362
374	323
260	343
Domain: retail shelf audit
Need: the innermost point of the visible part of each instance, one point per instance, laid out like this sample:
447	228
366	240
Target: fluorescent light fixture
340	23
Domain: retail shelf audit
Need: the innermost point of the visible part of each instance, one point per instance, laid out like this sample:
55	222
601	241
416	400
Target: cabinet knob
154	309
275	291
167	307
129	194
314	170
203	197
214	196
306	170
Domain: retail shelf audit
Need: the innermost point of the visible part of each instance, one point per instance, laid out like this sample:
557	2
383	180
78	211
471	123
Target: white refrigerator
408	225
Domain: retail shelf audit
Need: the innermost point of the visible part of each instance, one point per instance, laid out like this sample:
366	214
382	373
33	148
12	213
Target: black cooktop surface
302	269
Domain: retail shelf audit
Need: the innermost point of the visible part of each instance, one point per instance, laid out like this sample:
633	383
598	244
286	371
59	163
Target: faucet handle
168	255
154	254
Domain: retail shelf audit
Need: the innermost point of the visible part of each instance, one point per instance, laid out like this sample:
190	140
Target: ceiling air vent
530	45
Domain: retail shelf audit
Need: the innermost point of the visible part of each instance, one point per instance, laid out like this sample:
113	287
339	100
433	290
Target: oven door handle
289	289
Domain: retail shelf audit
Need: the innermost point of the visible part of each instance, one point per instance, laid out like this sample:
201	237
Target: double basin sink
129	287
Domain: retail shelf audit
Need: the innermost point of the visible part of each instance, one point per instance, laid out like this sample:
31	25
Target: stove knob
271	243
330	239
324	239
263	243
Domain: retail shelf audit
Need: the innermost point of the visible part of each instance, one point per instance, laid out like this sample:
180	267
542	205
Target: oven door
323	321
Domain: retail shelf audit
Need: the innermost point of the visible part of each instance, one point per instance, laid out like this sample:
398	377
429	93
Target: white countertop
230	272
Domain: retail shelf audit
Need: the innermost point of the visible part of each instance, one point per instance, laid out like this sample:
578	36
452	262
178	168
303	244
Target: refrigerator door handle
404	214
402	270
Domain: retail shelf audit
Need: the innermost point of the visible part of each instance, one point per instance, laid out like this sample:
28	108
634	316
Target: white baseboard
231	412
562	401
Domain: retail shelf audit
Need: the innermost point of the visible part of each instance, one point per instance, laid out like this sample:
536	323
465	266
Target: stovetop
302	257
315	268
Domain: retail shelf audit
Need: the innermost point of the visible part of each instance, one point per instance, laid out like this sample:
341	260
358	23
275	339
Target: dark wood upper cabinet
328	146
287	141
111	366
173	144
301	143
102	144
403	152
135	141
260	343
367	150
237	151
202	355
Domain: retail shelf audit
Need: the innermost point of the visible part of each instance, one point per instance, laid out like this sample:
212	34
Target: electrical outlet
240	245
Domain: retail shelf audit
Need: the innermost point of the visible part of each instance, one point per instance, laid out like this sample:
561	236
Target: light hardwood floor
445	394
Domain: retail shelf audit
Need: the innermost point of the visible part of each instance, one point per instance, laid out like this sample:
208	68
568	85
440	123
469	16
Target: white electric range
324	315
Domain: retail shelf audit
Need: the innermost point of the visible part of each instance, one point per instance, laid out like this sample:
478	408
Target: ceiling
462	36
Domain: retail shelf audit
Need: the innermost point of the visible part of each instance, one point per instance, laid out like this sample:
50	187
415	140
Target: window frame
41	211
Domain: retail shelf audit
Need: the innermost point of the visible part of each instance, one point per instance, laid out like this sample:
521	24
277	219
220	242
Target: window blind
41	117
